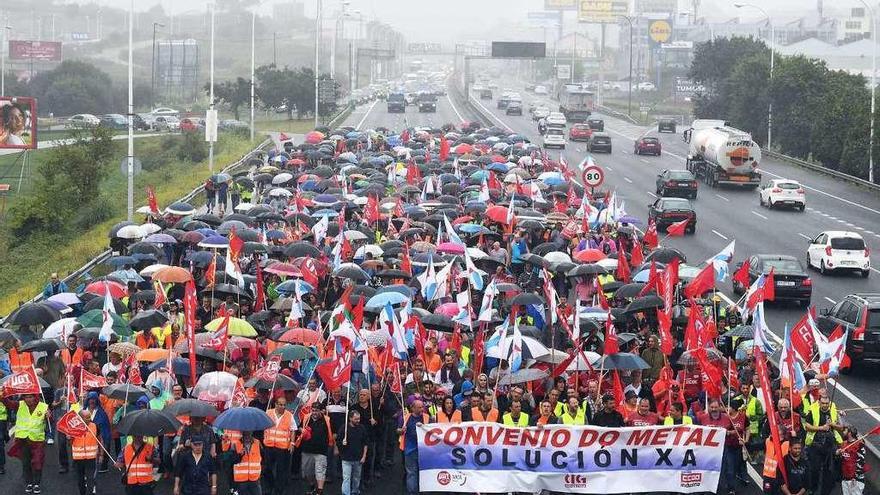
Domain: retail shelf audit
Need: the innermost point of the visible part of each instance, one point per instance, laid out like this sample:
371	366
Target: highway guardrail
821	169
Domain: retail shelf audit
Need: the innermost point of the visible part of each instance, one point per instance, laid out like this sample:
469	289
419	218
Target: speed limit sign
593	176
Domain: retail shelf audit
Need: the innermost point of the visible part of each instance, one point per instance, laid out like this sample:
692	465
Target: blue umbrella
145	257
498	167
207	232
376	161
400	289
126	276
308	185
326	213
393	140
244	419
642	276
180	365
160	239
380	300
554	181
289	287
214	241
630	220
326	199
118	261
480	175
353	135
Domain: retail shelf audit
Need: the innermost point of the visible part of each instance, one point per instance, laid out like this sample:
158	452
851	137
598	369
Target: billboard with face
18	122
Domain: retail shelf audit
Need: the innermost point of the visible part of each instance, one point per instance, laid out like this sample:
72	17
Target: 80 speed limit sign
593	176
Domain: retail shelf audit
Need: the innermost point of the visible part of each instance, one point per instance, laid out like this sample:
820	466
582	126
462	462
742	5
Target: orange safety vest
229	438
140	469
279	436
425	420
770	462
144	339
477	415
443	418
86	446
251	464
66	357
20	361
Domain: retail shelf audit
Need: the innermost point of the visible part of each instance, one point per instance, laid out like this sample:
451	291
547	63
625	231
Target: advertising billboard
18	123
518	49
35	50
602	10
560	4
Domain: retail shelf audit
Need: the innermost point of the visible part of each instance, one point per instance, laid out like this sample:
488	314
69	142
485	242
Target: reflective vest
4	414
279	436
229	438
685	420
86	446
20	361
606	279
579	418
31	425
813	416
67	358
443	418
770	462
559	409
490	417
755	414
425	420
140	468
522	421
251	464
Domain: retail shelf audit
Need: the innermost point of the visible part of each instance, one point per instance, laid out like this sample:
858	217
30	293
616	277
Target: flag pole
347	402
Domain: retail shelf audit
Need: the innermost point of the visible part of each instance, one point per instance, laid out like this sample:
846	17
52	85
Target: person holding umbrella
195	472
137	461
247	464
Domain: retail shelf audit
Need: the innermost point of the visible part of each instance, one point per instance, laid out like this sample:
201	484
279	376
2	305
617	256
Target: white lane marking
758	215
609	168
722	197
851	203
628	180
719	234
805	236
832	301
875	270
453	108
652	194
831	217
624	152
644	160
491	114
367	114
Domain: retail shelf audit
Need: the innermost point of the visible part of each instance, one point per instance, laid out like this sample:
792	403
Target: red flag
190	304
220	337
335	372
619	397
612	345
493	182
444	148
151	200
636	256
239	396
235	245
211	272
650	238
89	381
478	347
742	274
394	386
160	294
371	210
405	263
72	425
802	339
346	251
769	288
665	332
270	371
260	302
623	273
652	280
309	272
677	229
711	375
767	392
600	292
704	281
357	313
24	382
456	339
404	136
563	366
732	380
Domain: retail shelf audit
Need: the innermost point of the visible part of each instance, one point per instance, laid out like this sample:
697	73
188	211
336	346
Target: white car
554	138
540	113
783	192
166	123
165	111
645	86
839	250
541	90
556	118
82	121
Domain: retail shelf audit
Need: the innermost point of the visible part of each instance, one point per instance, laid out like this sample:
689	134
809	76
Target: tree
713	63
843	109
73	87
233	93
274	86
798	88
304	91
748	95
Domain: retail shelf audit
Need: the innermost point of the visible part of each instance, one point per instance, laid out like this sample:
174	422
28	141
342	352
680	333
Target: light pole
772	50
873	88
339	17
153	66
130	157
6	29
629	96
211	97
253	63
317	54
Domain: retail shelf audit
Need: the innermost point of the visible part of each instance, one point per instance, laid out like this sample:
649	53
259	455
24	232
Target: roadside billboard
35	50
601	10
18	123
560	4
660	30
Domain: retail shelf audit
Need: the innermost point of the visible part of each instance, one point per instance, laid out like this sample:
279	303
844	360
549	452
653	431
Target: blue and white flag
721	262
451	234
486	304
388	320
463	318
515	358
428	281
473	274
762	333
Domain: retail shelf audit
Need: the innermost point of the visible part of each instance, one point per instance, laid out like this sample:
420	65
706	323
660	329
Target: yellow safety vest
813	415
755	414
31	425
522	422
4	414
685	420
580	418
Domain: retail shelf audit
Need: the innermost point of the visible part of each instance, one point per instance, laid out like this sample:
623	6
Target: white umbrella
373	249
150	270
281	178
60	329
557	257
608	263
243	207
523	376
215	386
130	232
150	228
531	348
579	364
279	191
355	235
476	253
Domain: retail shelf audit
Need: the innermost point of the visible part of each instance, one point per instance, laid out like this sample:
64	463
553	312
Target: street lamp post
6	29
873	88
130	157
339	18
772	51
153	66
317	54
629	96
253	63
211	94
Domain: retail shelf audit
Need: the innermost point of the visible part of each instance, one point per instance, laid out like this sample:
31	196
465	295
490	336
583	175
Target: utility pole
274	48
130	157
211	96
153	67
253	62
3	47
317	54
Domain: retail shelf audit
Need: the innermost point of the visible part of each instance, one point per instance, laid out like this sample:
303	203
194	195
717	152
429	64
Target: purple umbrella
65	298
630	220
214	241
160	239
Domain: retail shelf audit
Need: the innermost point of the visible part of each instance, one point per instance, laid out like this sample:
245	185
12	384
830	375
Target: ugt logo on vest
575	481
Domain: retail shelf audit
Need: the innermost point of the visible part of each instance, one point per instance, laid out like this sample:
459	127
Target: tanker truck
575	102
722	155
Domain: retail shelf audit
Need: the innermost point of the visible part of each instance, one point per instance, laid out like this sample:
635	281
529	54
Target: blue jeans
411	464
351	477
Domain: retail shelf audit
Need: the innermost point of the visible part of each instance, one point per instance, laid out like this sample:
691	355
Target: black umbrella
232	290
147	296
689	358
547	247
665	255
644	303
353	272
629	290
561	267
191	407
147	423
624	361
394	274
300	249
33	314
7	336
438	322
208	219
98	303
533	259
746	331
42	345
587	269
148	319
88	332
282	382
526	298
508	287
125	391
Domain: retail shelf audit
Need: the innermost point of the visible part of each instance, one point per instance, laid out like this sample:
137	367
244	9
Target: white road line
367	114
492	114
719	234
609	168
833	218
644	160
722	197
875	270
805	236
758	215
832	301
453	108
628	180
652	194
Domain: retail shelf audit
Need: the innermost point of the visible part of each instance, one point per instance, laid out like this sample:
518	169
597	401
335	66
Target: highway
723	215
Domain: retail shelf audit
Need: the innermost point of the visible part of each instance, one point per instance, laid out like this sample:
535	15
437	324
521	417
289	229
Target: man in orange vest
71	355
137	461
19	361
278	443
247	464
86	455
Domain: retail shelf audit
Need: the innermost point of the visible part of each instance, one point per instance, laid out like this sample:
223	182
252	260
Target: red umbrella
319	266
449	309
193	237
498	214
296	162
464	219
499	159
314	137
589	256
307	177
463	148
284	269
483	148
100	287
300	336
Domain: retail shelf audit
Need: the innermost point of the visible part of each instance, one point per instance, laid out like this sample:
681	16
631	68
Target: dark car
676	183
514	108
396	103
140	123
791	282
485	94
599	141
666	125
114	121
427	102
647	145
503	101
596	124
859	316
667	211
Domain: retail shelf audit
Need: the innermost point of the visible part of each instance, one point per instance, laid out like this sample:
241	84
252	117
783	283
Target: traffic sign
593	176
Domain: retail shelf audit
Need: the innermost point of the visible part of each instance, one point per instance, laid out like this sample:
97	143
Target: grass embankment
28	265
